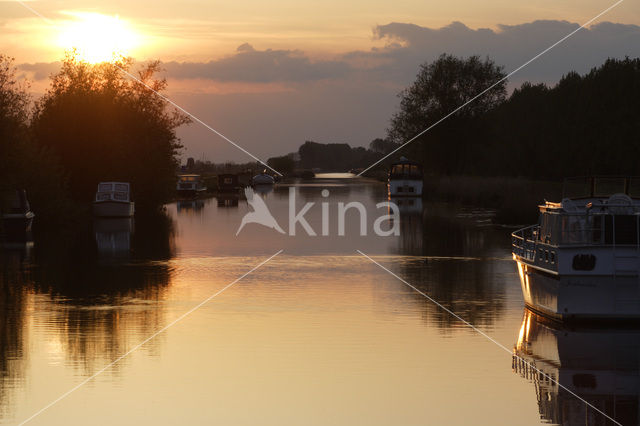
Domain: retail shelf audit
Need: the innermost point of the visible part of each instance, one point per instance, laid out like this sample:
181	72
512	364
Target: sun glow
98	38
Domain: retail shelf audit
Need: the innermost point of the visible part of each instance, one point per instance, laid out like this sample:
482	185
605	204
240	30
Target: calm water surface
319	335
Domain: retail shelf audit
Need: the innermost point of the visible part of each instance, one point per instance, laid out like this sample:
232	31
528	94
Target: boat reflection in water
411	223
113	236
189	206
227	200
600	365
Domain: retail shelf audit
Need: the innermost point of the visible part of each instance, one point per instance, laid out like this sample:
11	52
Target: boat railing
580	229
523	242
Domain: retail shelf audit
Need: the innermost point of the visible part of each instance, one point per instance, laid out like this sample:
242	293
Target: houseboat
405	179
190	186
17	216
228	183
581	261
113	199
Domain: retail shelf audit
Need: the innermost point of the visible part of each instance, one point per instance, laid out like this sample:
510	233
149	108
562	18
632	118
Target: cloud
260	66
40	70
409	45
350	98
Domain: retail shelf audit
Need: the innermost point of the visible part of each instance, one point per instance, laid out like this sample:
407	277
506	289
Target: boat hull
113	209
405	188
574	297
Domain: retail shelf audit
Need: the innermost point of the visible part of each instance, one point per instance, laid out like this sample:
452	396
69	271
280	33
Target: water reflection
190	206
97	290
113	236
13	304
598	364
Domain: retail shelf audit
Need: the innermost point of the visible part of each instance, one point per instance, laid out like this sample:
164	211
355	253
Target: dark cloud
409	45
260	66
510	45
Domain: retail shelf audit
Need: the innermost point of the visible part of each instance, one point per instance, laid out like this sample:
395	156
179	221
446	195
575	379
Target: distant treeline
95	124
583	125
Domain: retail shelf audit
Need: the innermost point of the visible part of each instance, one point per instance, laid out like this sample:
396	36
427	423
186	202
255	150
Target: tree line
583	125
93	124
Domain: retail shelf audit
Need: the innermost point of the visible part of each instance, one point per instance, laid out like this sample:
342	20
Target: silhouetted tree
23	165
382	146
105	126
284	164
442	86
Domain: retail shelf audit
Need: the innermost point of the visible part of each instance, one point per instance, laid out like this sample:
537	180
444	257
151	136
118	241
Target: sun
98	38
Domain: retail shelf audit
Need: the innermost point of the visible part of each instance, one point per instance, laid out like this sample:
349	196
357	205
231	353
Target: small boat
263	179
190	186
405	179
113	199
581	261
228	183
18	217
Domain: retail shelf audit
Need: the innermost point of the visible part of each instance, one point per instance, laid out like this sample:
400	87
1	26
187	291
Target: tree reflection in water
453	254
93	302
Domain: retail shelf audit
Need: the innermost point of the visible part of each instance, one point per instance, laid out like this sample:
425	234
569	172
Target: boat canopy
113	191
600	187
189	178
405	169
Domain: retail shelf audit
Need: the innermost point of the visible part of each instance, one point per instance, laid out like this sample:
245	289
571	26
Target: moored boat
113	199
190	186
263	179
582	260
405	179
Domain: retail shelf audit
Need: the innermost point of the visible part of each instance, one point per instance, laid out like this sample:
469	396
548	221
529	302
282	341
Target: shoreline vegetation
505	152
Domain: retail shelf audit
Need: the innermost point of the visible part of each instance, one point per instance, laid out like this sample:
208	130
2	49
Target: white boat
190	186
405	179
17	217
113	199
263	179
582	259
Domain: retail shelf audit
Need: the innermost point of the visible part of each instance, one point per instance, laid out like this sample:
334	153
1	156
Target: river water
317	335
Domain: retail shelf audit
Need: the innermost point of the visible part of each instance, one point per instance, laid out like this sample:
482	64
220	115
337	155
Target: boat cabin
190	185
228	182
113	191
405	179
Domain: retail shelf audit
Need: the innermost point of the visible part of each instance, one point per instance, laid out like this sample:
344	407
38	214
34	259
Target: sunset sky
270	75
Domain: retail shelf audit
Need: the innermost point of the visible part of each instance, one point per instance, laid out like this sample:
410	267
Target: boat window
397	169
103	196
104	187
415	170
122	187
120	196
584	262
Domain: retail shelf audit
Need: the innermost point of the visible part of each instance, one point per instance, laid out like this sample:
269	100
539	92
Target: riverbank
514	199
